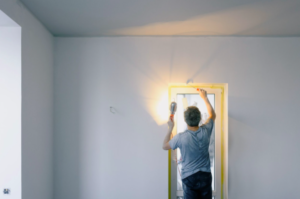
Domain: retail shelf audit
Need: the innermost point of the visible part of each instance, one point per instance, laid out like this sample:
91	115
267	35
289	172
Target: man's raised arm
211	111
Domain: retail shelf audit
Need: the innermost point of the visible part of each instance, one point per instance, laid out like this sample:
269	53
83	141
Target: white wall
10	110
103	155
37	103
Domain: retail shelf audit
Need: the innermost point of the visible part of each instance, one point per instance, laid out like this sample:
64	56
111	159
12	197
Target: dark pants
197	186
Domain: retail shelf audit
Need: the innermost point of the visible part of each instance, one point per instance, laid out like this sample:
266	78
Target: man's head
192	116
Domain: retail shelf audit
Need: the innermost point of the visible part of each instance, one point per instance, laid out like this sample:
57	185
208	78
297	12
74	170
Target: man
193	144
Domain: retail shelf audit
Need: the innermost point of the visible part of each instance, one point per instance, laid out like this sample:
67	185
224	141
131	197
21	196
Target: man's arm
166	145
211	111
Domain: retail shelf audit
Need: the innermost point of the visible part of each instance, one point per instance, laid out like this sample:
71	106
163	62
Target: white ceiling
168	17
6	21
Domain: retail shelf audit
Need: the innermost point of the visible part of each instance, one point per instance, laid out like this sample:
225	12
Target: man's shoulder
184	133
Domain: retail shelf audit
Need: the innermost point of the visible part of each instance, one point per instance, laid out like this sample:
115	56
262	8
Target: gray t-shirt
193	146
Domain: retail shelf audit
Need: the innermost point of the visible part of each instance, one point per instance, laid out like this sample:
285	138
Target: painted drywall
103	155
37	103
10	106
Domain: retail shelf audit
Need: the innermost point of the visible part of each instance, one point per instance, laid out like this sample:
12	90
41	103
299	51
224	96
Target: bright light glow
158	106
162	109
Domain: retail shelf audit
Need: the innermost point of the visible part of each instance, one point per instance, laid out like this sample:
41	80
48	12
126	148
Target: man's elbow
213	116
166	147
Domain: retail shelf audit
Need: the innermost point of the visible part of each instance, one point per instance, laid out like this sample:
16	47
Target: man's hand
171	124
210	110
203	93
166	145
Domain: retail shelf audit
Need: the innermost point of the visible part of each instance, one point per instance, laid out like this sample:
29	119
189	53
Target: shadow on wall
203	68
152	78
155	104
149	87
259	18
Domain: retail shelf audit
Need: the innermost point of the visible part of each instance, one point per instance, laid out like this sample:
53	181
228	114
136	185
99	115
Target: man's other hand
203	93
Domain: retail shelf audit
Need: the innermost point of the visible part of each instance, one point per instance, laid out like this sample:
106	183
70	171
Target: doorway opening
10	107
186	95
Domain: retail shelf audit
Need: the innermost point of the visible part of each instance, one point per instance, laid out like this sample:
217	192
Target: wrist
205	98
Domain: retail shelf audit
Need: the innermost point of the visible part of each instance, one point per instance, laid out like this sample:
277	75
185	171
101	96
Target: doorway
10	107
188	96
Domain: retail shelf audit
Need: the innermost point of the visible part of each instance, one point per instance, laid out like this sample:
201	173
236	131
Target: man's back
193	146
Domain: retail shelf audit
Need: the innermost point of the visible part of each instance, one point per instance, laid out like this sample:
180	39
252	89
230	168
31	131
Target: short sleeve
209	126
174	143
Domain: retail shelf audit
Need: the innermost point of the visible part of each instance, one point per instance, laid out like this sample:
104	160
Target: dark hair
192	116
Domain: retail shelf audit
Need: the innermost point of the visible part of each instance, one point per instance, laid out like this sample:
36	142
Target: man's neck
193	128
